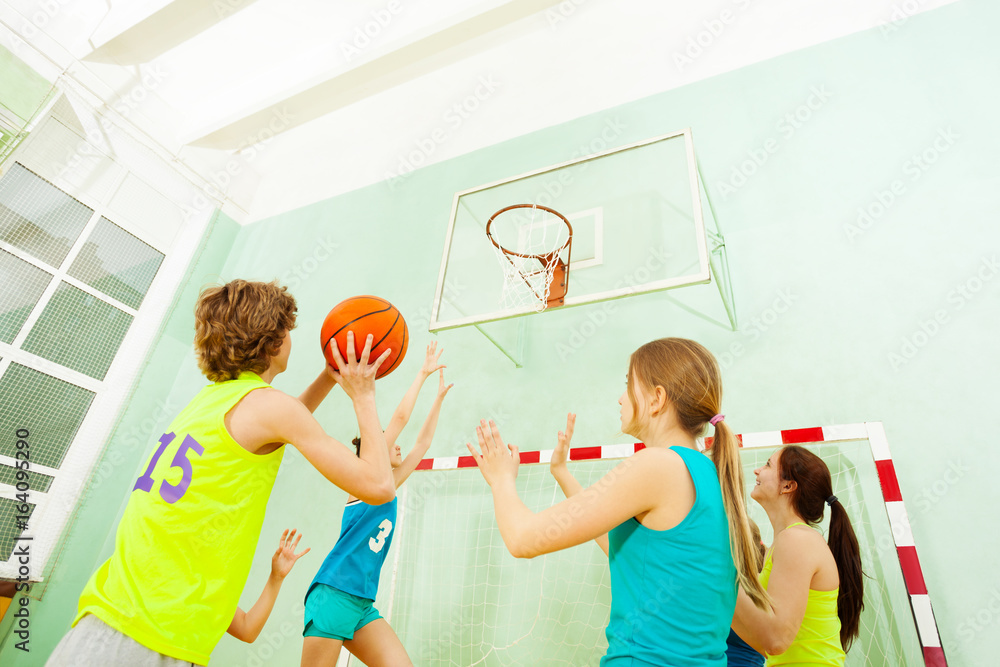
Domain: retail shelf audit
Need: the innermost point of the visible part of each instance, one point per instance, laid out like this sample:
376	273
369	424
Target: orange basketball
366	315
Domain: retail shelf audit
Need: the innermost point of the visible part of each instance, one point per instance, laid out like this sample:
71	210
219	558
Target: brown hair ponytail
813	488
690	376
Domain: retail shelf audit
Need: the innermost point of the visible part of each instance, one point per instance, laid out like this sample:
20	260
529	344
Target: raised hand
442	389
284	558
497	462
356	376
431	360
561	453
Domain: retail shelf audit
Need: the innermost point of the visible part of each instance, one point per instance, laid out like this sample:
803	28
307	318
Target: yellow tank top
186	540
818	639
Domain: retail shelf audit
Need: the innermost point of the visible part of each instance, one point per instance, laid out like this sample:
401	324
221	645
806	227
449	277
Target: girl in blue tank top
339	605
668	514
738	652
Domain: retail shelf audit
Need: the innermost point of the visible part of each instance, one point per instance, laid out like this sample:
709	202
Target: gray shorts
94	643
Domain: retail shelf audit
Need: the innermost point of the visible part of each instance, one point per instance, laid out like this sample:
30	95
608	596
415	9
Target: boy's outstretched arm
318	390
285	419
405	408
425	436
246	625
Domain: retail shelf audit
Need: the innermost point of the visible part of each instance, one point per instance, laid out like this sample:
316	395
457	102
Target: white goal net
455	596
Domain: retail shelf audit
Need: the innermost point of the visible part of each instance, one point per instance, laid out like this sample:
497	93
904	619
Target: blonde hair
691	379
758	542
239	326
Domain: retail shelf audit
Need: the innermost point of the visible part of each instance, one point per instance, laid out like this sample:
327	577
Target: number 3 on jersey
376	543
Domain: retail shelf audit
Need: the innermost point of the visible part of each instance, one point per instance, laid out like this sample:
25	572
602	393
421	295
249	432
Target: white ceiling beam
386	68
140	30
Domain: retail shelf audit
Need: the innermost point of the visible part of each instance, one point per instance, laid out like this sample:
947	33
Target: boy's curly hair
239	327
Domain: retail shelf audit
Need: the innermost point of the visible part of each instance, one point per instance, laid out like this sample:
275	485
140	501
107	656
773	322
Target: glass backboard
636	215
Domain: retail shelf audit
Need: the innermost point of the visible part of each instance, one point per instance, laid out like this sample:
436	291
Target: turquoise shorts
334	614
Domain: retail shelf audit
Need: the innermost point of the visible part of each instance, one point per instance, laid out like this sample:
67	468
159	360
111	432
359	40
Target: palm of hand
495	459
283	561
284	558
442	389
431	359
561	453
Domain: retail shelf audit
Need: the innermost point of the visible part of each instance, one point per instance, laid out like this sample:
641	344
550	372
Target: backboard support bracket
515	351
718	258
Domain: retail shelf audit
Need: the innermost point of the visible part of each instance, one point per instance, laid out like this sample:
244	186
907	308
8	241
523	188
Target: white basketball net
528	231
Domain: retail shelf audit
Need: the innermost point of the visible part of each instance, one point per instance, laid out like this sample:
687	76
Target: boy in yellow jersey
185	543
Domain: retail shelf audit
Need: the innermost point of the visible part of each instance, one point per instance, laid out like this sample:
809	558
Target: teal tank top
673	592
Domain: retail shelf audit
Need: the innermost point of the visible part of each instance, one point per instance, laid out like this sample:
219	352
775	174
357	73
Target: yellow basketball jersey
818	639
186	540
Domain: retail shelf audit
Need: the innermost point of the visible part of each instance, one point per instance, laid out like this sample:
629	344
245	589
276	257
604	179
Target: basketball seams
386	335
389	306
356	319
369	301
402	348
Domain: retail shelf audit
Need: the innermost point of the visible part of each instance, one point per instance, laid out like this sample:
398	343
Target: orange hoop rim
541	257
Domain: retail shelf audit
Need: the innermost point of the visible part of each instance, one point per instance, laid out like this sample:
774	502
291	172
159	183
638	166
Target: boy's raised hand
284	558
431	360
356	376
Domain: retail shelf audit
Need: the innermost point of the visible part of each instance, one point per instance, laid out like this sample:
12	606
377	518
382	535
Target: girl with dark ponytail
817	586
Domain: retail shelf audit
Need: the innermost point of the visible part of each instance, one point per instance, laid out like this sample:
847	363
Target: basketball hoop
535	274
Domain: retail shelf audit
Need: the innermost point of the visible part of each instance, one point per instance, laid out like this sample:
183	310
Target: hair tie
831	500
716	419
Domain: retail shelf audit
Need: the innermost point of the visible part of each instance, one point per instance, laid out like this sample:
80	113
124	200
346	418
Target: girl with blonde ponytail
674	522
